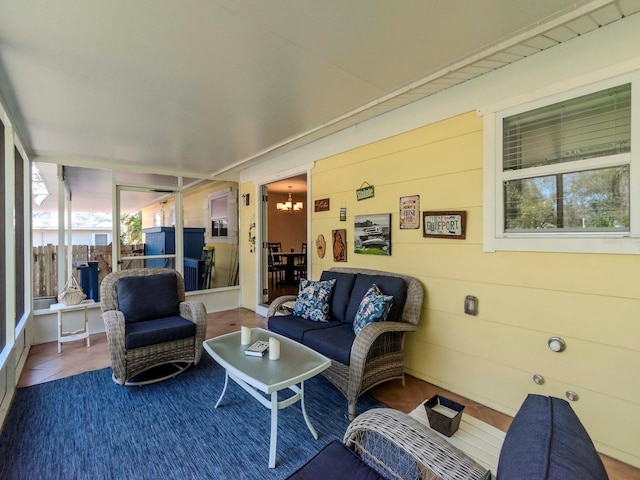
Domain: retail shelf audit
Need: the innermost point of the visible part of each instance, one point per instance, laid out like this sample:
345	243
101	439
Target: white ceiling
196	87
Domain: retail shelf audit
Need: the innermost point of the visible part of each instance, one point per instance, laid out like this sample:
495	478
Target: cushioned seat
334	342
546	441
364	353
149	324
167	329
344	464
295	328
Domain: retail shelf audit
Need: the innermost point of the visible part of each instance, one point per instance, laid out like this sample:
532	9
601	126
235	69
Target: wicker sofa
545	441
375	355
149	324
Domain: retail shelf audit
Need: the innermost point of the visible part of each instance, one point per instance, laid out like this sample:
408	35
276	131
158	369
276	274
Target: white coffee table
297	363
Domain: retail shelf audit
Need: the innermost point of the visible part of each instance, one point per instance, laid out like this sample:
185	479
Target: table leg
224	389
59	331
304	413
86	326
274	430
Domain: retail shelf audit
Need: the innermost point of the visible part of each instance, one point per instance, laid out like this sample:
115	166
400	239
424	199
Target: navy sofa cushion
394	286
160	330
335	462
334	343
148	297
546	441
295	327
341	293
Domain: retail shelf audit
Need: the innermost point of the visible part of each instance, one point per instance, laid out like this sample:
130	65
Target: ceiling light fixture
288	206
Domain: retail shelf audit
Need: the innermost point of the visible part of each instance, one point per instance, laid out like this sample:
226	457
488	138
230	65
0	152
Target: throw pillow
314	300
374	307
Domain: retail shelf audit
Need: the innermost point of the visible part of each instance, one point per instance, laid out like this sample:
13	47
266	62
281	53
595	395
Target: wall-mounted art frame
339	238
444	224
321	205
410	212
372	234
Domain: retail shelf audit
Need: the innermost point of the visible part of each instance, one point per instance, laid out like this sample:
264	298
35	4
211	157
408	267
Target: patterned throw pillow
374	307
314	300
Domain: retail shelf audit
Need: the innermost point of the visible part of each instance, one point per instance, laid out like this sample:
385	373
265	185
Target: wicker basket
72	294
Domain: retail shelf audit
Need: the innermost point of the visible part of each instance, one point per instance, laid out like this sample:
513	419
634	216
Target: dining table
289	264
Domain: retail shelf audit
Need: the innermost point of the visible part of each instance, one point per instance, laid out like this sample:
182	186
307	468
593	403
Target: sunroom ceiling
198	87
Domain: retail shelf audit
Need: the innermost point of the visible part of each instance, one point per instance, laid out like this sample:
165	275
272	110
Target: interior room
405	207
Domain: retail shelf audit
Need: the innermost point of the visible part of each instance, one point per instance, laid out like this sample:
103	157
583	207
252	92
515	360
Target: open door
284	225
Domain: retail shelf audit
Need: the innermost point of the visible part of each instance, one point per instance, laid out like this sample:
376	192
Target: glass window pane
587	201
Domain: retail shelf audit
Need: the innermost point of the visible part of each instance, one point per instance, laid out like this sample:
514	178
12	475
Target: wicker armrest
276	305
194	311
197	313
396	445
368	335
114	327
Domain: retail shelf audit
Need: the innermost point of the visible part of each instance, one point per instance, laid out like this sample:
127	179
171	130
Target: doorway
284	236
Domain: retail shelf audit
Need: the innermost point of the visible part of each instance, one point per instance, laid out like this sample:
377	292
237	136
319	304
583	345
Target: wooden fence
45	265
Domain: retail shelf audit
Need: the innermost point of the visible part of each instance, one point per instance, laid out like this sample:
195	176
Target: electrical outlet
471	305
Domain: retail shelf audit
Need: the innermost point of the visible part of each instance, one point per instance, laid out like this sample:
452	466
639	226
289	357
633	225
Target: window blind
594	125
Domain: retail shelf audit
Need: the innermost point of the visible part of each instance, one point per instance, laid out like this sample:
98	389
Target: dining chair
276	266
300	269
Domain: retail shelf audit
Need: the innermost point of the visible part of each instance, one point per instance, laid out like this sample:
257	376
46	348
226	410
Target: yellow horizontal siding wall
592	301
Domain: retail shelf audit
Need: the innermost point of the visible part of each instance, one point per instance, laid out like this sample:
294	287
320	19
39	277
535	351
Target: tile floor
45	364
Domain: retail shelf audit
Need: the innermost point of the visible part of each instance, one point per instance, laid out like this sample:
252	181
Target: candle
245	335
274	349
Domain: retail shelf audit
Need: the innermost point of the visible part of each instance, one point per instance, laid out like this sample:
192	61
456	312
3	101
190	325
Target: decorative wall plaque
321	205
410	212
450	224
365	191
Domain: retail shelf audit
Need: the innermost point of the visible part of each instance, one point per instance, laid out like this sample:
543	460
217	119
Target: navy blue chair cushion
334	343
546	441
388	285
295	327
148	297
335	462
160	330
341	292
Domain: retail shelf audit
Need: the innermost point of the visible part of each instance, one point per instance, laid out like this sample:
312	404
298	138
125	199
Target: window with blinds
566	166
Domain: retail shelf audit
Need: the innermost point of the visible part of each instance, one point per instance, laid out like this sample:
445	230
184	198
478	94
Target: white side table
81	334
481	441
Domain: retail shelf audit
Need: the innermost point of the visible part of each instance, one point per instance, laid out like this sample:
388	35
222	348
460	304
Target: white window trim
232	216
494	237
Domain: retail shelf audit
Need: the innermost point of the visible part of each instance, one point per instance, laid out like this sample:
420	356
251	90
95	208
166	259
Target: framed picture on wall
372	234
339	238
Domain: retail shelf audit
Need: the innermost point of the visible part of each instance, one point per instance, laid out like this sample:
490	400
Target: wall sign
321	205
410	212
365	191
444	224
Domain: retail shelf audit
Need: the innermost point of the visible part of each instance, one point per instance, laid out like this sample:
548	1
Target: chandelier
289	206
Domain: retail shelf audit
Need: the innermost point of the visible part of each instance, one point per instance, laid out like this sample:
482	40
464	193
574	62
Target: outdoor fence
45	264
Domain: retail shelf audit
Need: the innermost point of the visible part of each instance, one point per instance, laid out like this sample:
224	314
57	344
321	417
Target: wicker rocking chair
149	324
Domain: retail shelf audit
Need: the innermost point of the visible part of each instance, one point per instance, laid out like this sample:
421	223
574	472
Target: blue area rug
87	427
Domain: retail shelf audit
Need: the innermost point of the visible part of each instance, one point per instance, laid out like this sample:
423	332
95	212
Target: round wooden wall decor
321	246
